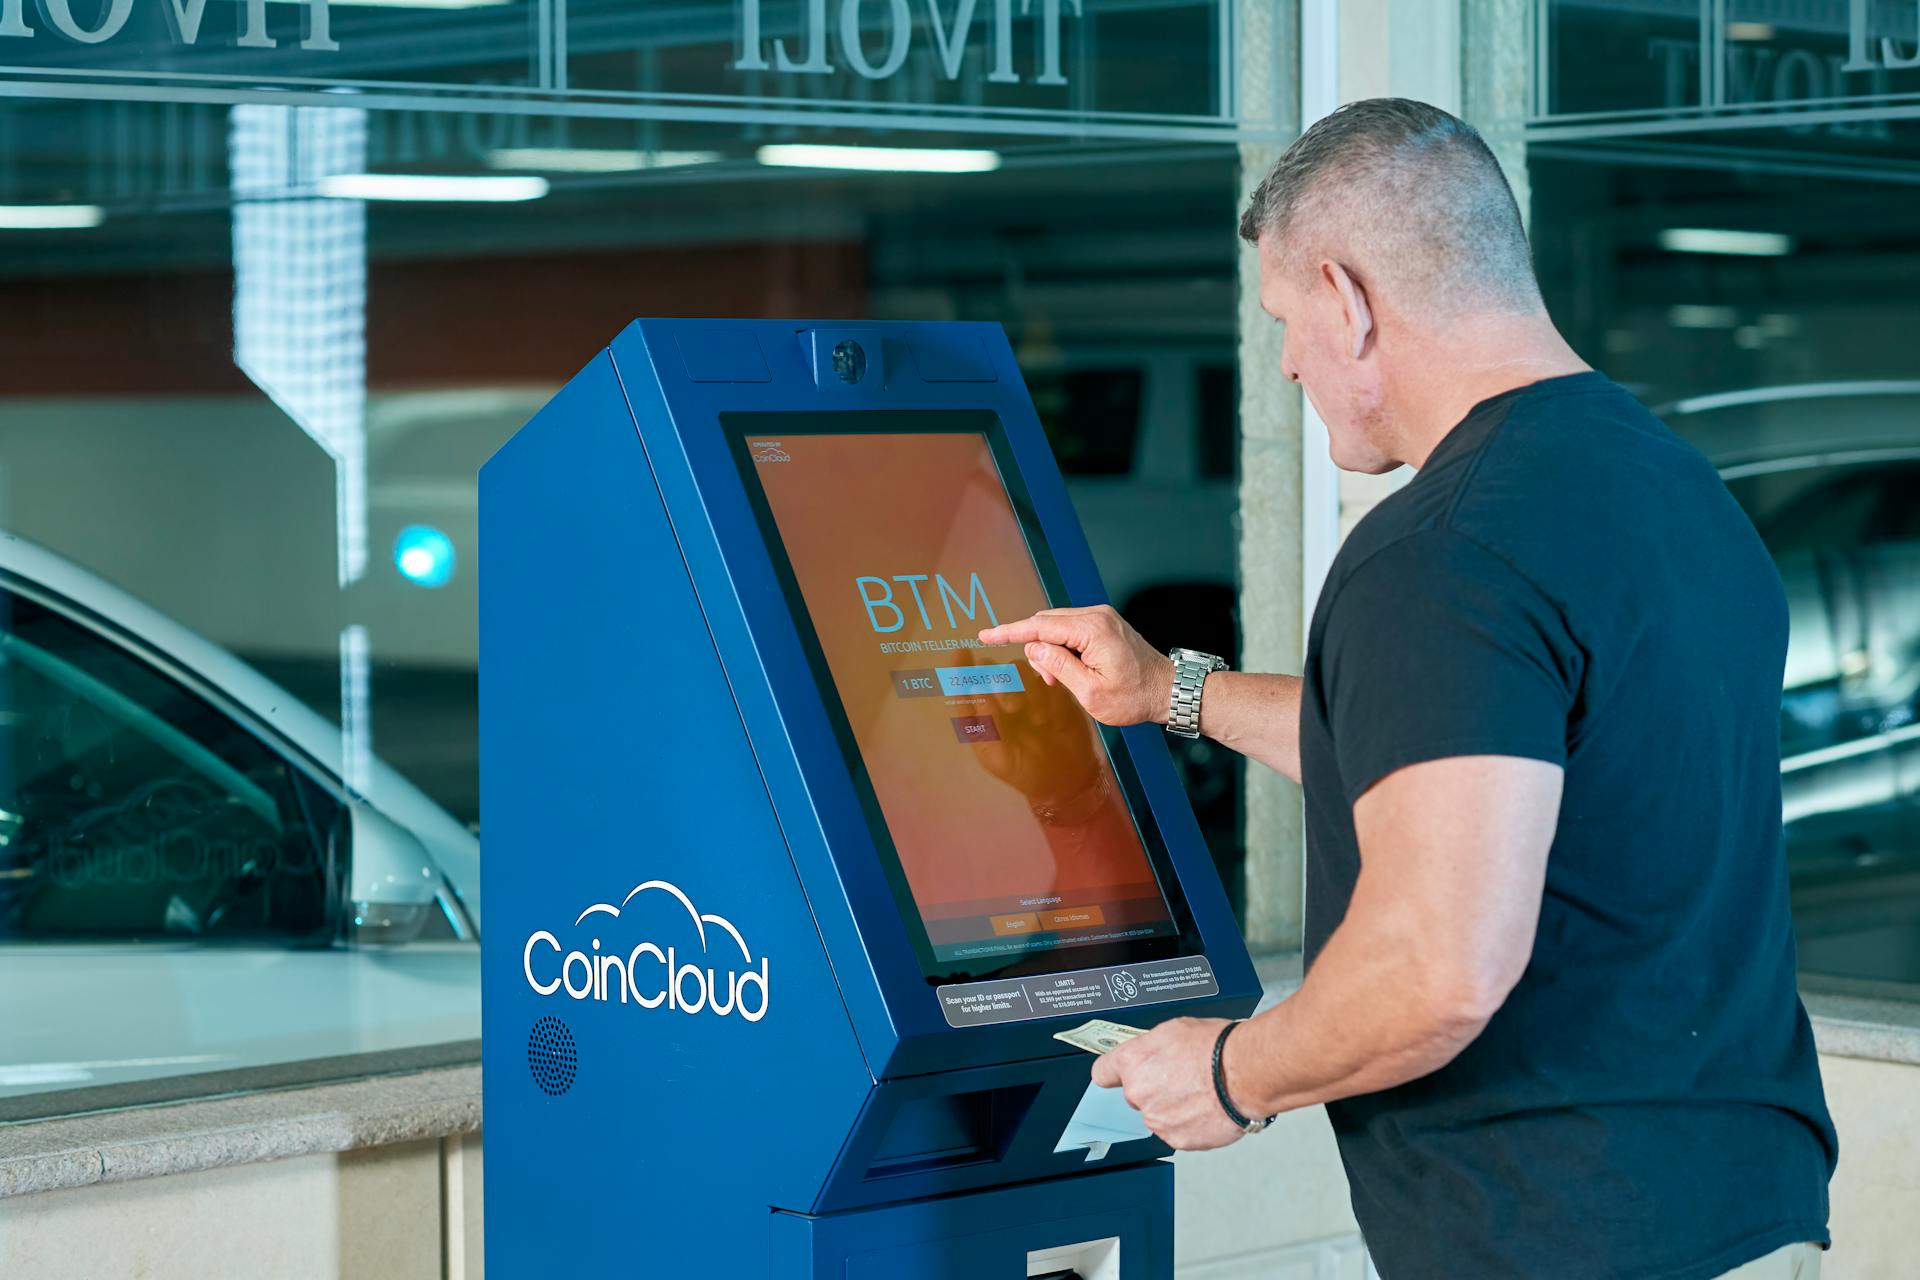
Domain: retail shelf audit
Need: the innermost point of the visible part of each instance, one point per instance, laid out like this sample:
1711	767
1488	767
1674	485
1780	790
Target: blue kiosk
790	881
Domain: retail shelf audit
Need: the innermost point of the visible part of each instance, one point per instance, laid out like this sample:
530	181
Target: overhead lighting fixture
50	217
1757	244
595	160
880	159
1748	31
426	187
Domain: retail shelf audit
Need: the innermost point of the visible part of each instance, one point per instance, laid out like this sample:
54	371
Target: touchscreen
996	789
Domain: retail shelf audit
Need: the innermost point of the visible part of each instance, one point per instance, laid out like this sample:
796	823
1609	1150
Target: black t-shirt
1566	580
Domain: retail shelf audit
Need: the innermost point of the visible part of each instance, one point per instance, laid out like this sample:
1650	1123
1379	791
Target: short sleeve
1437	647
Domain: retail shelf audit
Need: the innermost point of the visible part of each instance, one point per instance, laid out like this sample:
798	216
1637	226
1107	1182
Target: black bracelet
1220	1085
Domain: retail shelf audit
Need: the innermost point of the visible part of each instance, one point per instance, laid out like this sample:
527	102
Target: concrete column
1271	627
1354	49
1495	83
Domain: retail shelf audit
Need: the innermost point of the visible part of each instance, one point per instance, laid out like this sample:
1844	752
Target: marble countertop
145	1142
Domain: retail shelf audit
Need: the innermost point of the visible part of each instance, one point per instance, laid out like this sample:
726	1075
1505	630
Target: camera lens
849	361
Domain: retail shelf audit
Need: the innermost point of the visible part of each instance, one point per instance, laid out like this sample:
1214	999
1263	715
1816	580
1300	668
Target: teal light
424	556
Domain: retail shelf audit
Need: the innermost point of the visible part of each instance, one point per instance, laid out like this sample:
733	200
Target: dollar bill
1099	1035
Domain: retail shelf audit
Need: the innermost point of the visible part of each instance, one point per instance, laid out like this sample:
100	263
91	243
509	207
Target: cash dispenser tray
943	1131
956	1130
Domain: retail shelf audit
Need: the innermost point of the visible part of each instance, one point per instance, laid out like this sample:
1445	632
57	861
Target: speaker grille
551	1056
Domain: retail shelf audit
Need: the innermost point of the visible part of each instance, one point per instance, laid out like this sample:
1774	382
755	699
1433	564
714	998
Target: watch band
1190	671
1220	1085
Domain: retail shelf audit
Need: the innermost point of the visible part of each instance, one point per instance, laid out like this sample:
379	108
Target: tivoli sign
183	19
949	25
949	32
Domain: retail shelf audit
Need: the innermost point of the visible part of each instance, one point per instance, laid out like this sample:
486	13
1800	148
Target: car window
131	810
1898	519
1836	508
1216	399
1091	416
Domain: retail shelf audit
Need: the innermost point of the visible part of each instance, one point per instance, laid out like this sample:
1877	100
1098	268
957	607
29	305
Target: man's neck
1479	358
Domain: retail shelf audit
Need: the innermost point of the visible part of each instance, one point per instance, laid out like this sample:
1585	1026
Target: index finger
1067	628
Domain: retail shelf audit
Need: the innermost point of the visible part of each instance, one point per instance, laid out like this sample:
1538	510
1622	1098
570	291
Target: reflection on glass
234	398
175	864
300	288
1759	286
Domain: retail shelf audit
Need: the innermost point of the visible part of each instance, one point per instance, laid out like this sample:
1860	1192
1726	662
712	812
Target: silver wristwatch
1190	671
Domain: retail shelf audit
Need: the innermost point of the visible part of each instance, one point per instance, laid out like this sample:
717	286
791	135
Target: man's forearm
1439	930
1257	715
1370	1016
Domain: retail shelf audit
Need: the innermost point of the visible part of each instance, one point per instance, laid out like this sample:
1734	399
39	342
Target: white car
1830	474
186	883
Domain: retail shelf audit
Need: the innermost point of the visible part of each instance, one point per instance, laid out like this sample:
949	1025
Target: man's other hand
1116	675
1167	1075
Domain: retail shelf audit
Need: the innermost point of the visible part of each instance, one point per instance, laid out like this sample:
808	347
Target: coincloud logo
648	974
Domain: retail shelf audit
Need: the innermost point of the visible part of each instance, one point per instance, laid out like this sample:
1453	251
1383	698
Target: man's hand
1117	676
1168	1078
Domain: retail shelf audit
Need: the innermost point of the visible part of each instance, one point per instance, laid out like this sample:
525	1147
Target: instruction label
1051	995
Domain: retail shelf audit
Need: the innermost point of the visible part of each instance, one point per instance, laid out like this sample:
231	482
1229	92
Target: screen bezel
737	427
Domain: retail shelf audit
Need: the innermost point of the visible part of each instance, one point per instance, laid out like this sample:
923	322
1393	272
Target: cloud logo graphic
649	975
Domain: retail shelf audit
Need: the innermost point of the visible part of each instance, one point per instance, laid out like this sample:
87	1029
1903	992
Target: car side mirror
392	881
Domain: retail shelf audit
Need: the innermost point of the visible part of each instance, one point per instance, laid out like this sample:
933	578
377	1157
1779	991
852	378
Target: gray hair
1409	198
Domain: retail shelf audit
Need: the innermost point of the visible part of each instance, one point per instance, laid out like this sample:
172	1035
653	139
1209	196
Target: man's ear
1353	304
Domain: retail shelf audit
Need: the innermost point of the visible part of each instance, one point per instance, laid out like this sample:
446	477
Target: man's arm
1120	679
1440	928
1257	715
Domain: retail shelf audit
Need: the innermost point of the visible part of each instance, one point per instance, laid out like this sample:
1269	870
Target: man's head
1384	231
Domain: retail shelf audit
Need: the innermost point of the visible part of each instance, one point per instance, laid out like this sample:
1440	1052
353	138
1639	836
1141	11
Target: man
1550	999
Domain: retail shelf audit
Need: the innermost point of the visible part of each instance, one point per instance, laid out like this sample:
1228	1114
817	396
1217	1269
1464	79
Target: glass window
1736	243
257	353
